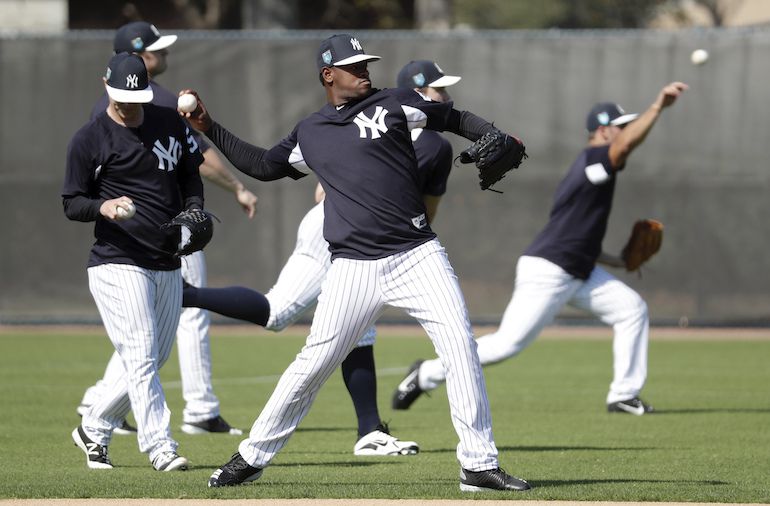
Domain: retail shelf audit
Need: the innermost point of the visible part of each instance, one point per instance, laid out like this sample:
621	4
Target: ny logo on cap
356	45
132	81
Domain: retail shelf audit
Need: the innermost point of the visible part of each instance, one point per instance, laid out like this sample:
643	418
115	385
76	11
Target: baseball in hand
125	211
187	102
699	57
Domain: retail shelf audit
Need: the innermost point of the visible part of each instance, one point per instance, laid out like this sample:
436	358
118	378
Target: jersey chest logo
375	124
168	157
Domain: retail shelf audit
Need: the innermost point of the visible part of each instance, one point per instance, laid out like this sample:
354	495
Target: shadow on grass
555	448
691	411
558	483
349	463
325	429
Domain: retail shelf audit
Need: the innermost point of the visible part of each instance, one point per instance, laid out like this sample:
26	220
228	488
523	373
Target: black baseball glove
495	154
196	227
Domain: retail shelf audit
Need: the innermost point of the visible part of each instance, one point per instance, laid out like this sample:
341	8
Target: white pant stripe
542	289
352	297
140	310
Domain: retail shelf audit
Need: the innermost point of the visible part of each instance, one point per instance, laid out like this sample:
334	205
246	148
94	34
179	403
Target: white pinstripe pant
194	348
542	289
299	283
140	311
422	283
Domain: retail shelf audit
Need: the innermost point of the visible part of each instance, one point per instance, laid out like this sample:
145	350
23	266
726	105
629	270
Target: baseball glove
495	154
197	228
645	241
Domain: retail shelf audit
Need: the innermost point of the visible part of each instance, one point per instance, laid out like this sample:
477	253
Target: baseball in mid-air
125	211
187	102
699	57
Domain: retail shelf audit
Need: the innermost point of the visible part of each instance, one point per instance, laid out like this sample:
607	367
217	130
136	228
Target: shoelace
237	463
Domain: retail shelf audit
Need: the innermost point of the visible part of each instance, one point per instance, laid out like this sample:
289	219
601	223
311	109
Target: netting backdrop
703	170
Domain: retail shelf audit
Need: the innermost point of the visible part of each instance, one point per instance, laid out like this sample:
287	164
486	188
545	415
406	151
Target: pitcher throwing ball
383	253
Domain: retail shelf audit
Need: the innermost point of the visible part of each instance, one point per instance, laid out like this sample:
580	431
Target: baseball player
383	252
300	280
560	266
201	413
133	155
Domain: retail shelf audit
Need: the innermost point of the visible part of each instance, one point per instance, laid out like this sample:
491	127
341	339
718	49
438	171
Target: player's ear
327	76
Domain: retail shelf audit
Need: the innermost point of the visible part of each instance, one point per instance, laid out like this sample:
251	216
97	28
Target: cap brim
130	96
622	120
162	43
356	59
443	82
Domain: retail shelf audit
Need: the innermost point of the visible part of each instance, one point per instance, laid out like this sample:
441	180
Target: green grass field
708	442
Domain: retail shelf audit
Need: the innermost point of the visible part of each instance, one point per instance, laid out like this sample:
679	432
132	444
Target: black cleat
96	454
235	472
491	479
409	389
216	425
634	406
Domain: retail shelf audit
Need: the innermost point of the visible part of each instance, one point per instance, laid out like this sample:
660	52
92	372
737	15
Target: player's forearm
610	260
468	125
215	171
245	157
82	208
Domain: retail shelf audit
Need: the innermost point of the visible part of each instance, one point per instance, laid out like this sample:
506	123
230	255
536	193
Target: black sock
233	301
358	373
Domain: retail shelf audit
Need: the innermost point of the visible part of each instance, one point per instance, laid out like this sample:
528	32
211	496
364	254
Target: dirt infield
322	502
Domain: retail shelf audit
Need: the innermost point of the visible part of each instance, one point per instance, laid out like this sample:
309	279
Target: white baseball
187	102
699	57
125	211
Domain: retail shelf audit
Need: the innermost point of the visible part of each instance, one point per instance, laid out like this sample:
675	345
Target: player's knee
634	308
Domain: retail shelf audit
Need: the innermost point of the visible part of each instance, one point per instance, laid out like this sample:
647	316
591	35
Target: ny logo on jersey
376	123
356	45
168	155
132	81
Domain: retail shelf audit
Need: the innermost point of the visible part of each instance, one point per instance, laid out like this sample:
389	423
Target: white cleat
380	443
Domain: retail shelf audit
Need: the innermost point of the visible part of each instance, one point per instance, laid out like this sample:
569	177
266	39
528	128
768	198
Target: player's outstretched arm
636	131
245	157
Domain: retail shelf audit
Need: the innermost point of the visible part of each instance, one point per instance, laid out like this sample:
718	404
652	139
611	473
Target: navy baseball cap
127	80
422	73
140	36
607	113
342	49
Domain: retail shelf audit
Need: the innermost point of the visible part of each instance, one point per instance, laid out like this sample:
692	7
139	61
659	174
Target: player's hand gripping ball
125	211
187	103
